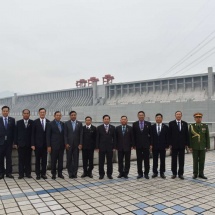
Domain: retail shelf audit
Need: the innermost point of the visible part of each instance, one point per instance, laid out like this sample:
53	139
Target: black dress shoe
44	176
61	176
146	176
28	176
74	176
110	176
38	177
162	176
194	176
9	176
139	176
154	175
173	176
84	175
20	177
70	176
90	175
101	177
53	177
181	177
120	175
1	177
203	177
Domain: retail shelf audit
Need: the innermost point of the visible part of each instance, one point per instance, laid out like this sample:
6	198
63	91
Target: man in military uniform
199	144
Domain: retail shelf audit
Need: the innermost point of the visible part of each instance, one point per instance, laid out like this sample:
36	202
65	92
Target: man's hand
80	146
49	149
170	147
97	150
15	146
191	150
67	146
114	150
33	148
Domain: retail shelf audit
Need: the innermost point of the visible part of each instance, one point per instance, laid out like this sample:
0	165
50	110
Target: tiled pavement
118	196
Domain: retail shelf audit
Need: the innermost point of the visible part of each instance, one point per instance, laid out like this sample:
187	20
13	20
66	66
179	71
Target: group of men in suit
54	137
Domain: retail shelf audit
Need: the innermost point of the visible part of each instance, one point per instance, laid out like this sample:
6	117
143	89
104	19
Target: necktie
59	126
123	130
26	123
106	128
141	125
179	127
5	124
73	126
159	129
43	125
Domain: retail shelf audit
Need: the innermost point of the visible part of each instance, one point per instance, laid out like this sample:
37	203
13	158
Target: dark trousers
87	157
24	160
177	157
198	162
109	157
156	154
72	161
124	169
142	154
57	159
41	159
6	152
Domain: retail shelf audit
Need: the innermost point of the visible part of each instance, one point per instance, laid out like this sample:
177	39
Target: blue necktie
5	124
73	126
59	126
43	125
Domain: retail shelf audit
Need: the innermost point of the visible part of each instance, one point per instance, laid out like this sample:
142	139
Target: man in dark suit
7	130
159	145
73	134
179	139
141	131
23	143
124	144
88	147
55	144
39	144
105	145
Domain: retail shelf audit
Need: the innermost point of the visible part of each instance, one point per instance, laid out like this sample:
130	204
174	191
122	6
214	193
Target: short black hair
42	109
88	117
124	116
72	112
159	114
5	107
178	111
106	116
57	112
141	112
25	110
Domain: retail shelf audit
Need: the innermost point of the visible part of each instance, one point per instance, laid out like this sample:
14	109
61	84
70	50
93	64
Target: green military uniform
199	142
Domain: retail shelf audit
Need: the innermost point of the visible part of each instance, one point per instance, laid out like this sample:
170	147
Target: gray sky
49	44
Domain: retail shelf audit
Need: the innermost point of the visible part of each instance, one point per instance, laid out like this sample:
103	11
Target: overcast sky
49	44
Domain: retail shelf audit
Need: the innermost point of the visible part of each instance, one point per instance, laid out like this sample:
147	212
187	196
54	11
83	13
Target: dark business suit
124	143
6	145
23	142
73	138
142	143
55	140
38	139
159	142
88	147
179	139
105	142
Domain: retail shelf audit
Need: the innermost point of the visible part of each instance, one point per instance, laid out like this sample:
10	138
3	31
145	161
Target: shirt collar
43	120
73	121
178	121
159	124
88	126
141	122
106	125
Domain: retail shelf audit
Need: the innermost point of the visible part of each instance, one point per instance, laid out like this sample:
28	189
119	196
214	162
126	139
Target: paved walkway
118	196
